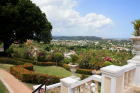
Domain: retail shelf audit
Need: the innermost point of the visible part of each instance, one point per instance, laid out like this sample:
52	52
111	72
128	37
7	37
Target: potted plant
73	65
136	39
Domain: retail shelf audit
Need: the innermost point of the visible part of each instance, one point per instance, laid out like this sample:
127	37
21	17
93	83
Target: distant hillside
76	38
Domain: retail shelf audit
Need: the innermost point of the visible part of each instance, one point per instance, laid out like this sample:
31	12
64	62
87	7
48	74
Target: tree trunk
6	44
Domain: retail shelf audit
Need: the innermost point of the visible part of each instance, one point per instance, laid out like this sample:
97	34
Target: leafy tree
136	24
58	57
21	20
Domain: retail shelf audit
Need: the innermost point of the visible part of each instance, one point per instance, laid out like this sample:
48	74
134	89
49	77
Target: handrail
41	86
129	67
93	77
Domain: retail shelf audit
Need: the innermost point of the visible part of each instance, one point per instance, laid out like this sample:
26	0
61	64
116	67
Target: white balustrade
128	75
85	85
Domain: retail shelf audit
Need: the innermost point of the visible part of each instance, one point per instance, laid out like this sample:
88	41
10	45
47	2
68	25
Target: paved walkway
13	84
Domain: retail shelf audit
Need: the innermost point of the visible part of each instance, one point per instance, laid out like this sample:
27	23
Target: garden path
13	84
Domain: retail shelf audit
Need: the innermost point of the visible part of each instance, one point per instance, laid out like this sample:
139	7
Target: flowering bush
30	76
108	59
28	66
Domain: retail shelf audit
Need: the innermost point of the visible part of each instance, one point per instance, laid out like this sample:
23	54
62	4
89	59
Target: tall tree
21	20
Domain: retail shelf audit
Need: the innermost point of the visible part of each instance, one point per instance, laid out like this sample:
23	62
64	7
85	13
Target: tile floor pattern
16	85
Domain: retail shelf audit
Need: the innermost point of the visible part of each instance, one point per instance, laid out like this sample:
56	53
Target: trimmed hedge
28	66
10	61
21	72
45	63
84	71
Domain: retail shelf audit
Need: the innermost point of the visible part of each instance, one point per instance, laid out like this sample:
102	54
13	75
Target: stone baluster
49	90
60	89
54	90
126	80
82	88
96	87
89	87
76	89
130	78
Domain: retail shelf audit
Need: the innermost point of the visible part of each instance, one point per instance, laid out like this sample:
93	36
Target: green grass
54	70
6	66
3	89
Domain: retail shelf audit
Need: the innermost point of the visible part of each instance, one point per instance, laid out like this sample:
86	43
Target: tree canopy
21	20
136	24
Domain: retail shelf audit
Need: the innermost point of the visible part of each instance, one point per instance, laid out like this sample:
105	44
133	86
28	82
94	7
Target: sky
101	18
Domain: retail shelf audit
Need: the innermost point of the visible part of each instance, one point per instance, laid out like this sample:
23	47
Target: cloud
63	17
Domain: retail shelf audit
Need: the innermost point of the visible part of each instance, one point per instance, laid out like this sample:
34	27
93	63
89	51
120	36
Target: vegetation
25	21
3	89
53	70
107	63
58	57
76	38
74	59
136	24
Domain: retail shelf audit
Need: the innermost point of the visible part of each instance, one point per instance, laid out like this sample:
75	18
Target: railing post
112	79
66	85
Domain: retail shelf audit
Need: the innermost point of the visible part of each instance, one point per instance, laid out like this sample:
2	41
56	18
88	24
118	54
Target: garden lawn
3	89
54	70
6	66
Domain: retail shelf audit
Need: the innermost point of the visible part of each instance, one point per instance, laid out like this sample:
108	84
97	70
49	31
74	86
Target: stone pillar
112	79
66	85
136	72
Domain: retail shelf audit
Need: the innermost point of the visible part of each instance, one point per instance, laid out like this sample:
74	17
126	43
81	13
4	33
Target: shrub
28	66
107	63
41	57
66	61
58	57
83	76
74	58
25	75
26	55
84	71
9	51
10	61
